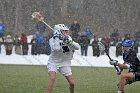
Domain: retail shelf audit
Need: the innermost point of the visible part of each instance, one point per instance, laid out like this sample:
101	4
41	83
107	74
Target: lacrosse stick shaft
111	60
48	25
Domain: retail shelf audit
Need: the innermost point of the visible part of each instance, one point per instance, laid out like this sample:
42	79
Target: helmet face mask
65	32
126	49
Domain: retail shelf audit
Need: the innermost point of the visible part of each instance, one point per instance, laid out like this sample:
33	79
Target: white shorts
65	71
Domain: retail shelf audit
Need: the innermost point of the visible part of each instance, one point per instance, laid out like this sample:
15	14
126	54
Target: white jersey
57	57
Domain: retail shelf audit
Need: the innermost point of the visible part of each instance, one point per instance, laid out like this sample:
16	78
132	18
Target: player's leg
71	83
52	75
122	82
66	71
51	81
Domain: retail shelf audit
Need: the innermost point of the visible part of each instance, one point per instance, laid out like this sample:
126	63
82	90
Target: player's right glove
67	40
114	62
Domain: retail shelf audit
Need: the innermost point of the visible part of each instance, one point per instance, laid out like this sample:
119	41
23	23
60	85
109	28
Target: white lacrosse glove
114	62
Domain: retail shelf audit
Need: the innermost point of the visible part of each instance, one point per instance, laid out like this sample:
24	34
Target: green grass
33	79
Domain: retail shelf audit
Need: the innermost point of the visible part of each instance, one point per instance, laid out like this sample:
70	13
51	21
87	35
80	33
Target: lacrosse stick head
37	17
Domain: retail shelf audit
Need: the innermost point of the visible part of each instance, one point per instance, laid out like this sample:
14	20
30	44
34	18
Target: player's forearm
74	46
124	66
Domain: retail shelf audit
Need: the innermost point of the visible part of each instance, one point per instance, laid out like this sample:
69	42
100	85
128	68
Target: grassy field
33	79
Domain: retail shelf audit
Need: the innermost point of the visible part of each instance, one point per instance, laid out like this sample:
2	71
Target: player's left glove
65	49
114	62
67	40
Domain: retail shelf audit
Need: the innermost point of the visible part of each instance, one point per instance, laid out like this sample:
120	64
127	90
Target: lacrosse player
131	62
62	50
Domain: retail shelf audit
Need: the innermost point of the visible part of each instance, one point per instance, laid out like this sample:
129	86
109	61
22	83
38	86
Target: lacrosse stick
39	18
117	69
105	49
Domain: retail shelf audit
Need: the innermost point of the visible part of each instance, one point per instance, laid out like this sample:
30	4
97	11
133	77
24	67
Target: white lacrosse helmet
61	27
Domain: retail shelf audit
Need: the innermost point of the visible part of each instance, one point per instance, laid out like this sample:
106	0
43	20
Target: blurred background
102	16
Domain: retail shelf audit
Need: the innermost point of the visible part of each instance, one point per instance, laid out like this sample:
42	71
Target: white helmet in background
61	27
